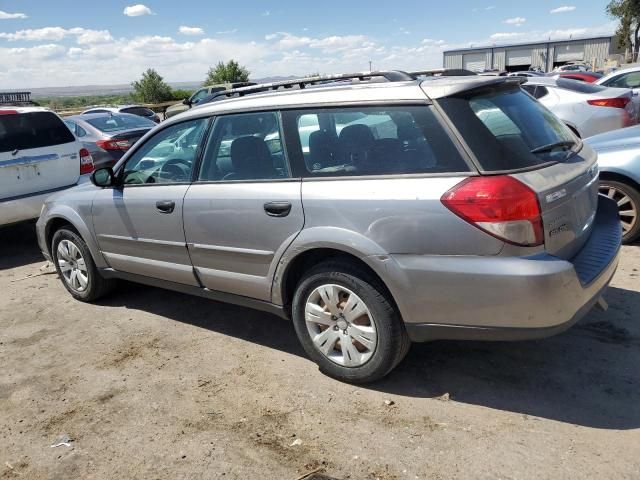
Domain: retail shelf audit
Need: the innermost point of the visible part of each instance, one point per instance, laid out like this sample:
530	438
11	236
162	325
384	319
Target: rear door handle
277	209
166	206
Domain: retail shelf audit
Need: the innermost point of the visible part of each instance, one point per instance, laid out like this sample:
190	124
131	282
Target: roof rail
16	99
442	72
301	83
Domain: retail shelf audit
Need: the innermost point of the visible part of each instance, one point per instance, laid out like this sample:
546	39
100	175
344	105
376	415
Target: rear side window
508	130
369	141
24	131
627	80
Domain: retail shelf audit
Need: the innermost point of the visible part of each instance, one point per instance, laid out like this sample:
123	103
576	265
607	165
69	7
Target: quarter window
370	141
245	147
168	156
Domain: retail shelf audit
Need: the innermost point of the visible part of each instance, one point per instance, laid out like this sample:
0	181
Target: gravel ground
151	384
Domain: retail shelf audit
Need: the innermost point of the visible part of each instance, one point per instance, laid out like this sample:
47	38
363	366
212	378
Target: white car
624	78
586	108
38	156
573	67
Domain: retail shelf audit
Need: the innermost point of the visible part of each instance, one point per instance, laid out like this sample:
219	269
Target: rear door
245	208
38	153
510	133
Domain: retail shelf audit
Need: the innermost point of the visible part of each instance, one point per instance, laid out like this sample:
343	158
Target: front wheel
628	200
347	323
75	267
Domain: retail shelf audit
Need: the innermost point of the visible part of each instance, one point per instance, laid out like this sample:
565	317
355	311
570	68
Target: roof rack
442	72
301	83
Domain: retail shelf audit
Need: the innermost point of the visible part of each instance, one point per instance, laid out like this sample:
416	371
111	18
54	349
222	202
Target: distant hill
87	90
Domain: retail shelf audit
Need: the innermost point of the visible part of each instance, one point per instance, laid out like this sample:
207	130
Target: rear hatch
38	153
510	133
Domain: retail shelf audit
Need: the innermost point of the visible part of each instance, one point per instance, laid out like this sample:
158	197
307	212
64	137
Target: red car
588	77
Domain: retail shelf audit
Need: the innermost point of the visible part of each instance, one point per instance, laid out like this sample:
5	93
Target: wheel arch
59	218
619	177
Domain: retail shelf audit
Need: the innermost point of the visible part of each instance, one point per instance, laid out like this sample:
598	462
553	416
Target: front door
139	225
245	209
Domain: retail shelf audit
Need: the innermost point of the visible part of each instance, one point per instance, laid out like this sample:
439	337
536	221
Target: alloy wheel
72	265
627	209
340	325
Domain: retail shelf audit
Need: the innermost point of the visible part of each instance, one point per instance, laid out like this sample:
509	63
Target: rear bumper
503	298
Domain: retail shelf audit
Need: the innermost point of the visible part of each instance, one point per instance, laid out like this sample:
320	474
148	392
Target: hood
623	137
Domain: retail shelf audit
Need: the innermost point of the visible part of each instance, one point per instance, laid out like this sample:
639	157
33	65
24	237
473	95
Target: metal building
544	55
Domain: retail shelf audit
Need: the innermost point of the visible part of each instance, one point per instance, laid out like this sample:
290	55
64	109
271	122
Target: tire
357	360
629	209
67	260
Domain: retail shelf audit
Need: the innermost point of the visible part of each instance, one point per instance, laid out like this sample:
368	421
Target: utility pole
370	66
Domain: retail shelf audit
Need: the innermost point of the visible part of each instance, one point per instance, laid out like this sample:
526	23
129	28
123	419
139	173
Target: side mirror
103	177
186	101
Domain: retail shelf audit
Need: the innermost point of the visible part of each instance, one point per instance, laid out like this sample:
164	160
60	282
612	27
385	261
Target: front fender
81	222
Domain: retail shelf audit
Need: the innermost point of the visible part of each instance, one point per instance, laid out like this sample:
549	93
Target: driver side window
168	156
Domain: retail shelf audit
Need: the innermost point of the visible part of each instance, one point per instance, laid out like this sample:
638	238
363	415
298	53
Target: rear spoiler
453	86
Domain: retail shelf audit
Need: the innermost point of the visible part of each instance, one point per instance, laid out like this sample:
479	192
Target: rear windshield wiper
551	146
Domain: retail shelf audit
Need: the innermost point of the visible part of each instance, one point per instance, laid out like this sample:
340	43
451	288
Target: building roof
544	42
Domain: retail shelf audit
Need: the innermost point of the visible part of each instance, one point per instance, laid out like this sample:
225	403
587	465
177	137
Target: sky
50	43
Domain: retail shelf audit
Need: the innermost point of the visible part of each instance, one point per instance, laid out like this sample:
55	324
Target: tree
227	73
151	88
628	14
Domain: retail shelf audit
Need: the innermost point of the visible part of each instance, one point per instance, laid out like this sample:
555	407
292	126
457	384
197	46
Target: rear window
24	131
578	86
115	123
141	111
370	141
508	130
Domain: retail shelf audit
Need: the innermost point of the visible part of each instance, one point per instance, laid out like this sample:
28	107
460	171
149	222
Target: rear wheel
75	267
628	200
347	324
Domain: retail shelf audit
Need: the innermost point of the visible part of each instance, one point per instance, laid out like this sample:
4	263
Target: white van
38	156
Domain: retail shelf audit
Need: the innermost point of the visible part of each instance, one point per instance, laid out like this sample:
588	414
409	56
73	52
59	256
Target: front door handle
166	206
277	209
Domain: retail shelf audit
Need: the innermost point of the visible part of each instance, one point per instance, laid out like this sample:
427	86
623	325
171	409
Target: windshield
115	122
508	130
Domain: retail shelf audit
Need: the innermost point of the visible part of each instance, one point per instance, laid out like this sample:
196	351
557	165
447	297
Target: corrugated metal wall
453	60
599	49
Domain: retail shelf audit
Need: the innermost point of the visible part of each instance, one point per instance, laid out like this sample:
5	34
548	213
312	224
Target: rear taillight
86	162
501	206
618	102
113	144
8	112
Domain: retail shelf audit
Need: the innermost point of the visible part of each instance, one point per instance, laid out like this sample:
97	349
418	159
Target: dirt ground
151	384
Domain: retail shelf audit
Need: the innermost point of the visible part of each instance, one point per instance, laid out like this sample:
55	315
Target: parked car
422	209
623	78
38	156
573	67
589	77
107	135
619	162
529	73
200	95
586	108
138	110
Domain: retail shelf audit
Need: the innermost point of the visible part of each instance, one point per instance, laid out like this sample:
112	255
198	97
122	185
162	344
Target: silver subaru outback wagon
372	210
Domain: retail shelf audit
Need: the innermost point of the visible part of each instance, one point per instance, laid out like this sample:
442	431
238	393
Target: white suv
38	156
